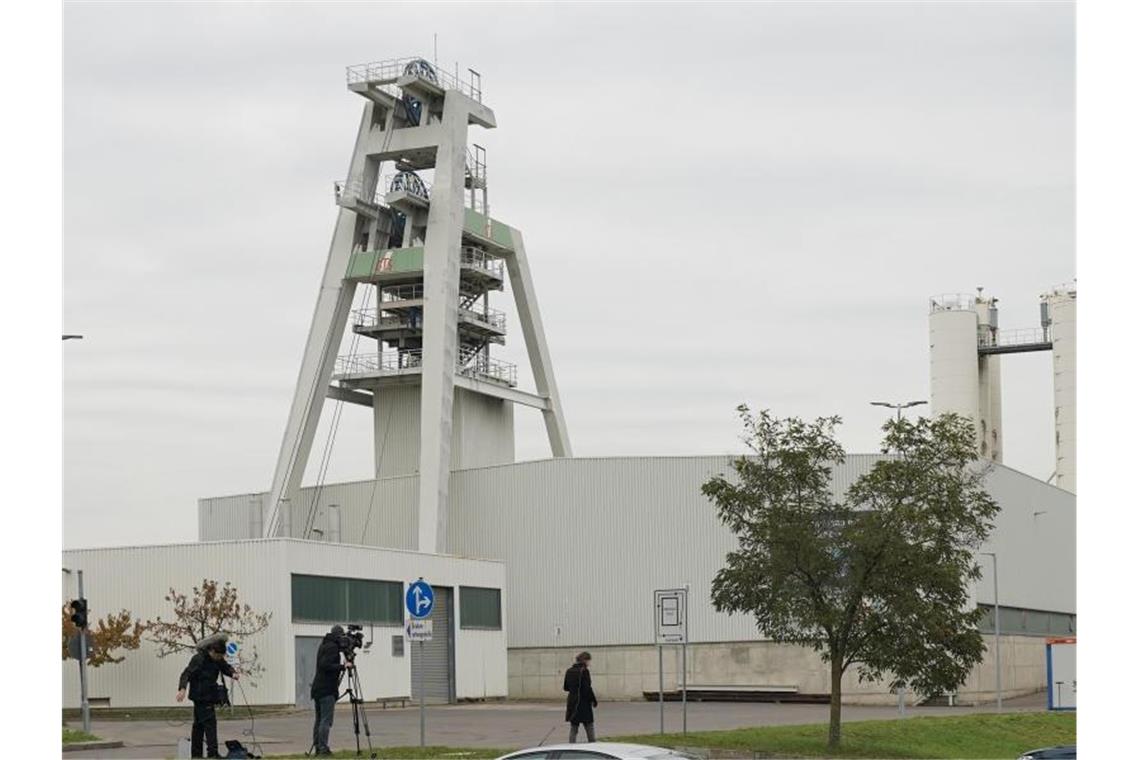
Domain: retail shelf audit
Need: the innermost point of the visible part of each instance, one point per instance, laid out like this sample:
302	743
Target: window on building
480	608
1023	622
323	599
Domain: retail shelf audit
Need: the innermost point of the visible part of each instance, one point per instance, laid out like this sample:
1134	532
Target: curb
77	746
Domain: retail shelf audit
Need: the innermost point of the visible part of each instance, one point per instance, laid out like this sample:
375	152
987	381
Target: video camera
350	641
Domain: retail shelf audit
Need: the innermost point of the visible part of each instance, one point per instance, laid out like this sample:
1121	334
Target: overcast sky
722	204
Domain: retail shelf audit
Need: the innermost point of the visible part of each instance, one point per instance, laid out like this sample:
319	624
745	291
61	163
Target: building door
437	658
306	661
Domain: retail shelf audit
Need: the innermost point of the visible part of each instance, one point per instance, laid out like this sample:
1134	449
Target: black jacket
202	674
580	699
326	682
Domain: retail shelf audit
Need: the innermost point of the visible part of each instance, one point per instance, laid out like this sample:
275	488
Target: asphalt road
510	725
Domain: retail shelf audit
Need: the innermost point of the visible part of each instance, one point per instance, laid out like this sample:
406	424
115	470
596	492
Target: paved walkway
508	725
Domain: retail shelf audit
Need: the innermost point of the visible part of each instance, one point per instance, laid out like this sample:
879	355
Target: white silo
961	381
1059	313
989	380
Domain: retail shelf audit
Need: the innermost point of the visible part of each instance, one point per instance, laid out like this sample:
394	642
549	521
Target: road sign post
420	601
671	626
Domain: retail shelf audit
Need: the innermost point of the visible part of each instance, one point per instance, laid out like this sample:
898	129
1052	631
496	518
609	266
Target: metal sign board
670	611
418	630
419	599
232	649
73	647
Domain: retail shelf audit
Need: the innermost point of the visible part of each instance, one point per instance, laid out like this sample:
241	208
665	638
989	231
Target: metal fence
476	258
1019	337
952	302
402	293
477	366
492	317
381	73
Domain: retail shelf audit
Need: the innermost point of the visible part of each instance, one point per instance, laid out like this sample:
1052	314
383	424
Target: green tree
880	579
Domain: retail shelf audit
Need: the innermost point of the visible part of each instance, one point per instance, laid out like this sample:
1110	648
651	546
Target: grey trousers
574	732
322	721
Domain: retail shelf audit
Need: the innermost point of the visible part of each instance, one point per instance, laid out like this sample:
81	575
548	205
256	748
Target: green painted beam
365	265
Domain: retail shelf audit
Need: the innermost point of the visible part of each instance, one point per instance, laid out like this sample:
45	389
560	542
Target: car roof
614	748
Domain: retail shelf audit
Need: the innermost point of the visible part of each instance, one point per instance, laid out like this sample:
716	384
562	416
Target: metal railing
384	364
353	187
371	318
491	369
478	366
1019	337
402	293
952	302
492	317
475	258
381	73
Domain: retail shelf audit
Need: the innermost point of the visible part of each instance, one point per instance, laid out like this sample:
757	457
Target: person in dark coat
201	676
580	698
326	688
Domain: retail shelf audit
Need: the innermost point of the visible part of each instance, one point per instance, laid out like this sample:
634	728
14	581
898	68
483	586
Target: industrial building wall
371	513
1035	541
138	578
585	541
628	672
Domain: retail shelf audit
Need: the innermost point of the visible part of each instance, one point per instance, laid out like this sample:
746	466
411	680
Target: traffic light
79	613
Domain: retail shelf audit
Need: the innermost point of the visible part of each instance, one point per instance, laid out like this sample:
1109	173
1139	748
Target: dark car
1050	753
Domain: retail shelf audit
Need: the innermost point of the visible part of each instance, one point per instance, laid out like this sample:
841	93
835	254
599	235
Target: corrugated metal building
305	586
585	542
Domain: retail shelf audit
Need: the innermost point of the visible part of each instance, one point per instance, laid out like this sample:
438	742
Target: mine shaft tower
430	256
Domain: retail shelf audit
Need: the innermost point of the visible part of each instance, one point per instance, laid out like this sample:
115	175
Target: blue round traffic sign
420	599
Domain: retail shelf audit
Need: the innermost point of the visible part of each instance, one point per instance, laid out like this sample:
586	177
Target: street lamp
997	628
898	407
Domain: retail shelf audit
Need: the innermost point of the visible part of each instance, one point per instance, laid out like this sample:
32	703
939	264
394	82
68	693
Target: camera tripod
356	698
359	717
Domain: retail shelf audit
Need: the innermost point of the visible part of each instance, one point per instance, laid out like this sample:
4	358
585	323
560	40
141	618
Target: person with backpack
201	676
580	698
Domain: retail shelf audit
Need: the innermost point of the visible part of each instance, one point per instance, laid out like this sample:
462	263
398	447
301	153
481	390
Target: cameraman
205	692
326	687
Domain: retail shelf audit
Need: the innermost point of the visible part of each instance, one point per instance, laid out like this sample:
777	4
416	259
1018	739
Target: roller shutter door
438	659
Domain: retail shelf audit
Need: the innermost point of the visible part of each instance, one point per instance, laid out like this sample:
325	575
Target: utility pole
79	617
85	706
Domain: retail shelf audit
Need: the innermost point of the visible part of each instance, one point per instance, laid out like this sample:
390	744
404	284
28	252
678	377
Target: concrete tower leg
441	312
527	305
334	300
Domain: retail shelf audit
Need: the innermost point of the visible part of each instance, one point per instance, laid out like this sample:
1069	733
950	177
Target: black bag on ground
236	749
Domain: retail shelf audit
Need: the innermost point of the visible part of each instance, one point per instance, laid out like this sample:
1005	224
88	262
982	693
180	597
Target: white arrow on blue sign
420	599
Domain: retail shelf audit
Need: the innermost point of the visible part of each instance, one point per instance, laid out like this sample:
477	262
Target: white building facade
586	541
305	587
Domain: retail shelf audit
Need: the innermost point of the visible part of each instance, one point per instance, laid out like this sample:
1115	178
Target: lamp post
898	407
997	628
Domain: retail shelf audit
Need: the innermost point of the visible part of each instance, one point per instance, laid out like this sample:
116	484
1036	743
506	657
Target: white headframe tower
419	238
965	375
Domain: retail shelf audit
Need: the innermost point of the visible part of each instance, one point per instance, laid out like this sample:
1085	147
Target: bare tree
207	610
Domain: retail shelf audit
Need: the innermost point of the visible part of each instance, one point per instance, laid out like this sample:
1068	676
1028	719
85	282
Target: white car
596	751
